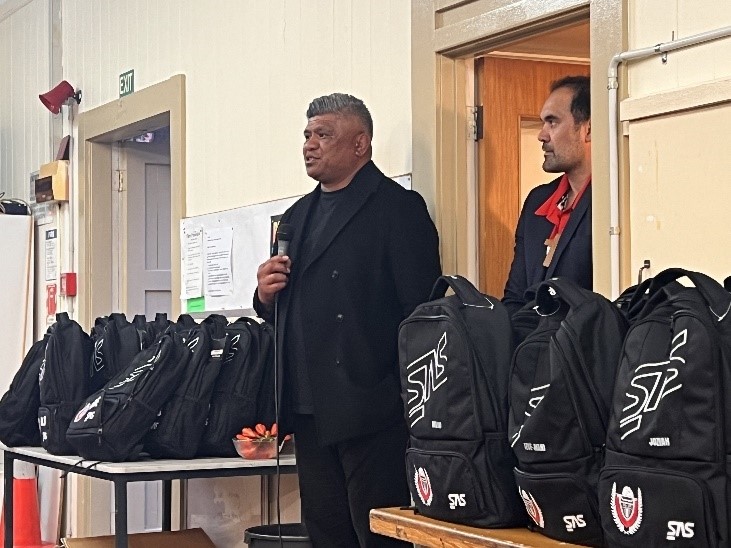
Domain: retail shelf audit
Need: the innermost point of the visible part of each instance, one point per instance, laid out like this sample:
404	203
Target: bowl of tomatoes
255	443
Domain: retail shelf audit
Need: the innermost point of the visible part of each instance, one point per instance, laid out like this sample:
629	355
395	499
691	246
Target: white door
148	227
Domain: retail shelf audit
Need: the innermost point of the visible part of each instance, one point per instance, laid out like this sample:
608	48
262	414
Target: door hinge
120	182
474	123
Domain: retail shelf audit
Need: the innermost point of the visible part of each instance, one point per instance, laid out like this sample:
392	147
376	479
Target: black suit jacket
572	258
377	259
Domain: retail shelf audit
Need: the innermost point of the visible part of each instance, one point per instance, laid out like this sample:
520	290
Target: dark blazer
572	258
377	260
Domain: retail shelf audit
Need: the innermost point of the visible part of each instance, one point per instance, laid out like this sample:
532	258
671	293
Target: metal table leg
8	499
120	513
167	506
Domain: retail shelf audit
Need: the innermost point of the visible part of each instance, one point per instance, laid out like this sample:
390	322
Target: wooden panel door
512	93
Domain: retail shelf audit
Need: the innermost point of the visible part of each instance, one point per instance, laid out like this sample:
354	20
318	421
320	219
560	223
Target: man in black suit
553	237
364	254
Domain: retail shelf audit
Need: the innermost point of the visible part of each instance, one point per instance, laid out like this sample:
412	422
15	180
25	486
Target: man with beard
553	237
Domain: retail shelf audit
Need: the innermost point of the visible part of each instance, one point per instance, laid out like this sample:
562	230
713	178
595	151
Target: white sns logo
574	522
677	529
425	375
456	499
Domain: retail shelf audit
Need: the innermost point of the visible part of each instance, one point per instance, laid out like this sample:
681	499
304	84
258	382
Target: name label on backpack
660	442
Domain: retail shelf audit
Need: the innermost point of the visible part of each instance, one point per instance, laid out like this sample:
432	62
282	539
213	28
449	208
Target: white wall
251	69
679	114
24	73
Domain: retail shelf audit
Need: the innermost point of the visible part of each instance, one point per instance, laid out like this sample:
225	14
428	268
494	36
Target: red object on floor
26	516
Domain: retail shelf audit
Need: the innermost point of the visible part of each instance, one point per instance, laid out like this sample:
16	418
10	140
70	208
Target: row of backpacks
169	389
592	422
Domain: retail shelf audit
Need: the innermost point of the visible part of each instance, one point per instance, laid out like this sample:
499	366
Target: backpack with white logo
454	356
63	380
116	342
243	388
177	431
665	479
561	384
111	423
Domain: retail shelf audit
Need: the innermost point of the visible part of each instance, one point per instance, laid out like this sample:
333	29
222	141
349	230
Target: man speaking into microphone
363	253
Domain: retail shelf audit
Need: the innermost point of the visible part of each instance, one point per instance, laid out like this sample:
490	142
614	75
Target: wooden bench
404	524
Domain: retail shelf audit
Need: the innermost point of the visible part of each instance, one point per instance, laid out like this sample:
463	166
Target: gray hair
341	103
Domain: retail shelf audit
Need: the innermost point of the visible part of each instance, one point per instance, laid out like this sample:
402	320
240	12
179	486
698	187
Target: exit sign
126	83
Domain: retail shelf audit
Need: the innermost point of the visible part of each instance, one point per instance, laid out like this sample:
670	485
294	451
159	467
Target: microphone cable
276	413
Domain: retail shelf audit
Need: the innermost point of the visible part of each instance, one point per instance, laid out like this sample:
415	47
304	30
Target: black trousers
340	484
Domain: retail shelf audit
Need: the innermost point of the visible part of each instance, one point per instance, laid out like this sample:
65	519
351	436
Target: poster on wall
51	255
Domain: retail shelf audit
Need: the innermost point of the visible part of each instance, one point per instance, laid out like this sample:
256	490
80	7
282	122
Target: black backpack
63	381
19	406
177	431
240	387
561	384
665	479
116	342
111	423
159	325
454	356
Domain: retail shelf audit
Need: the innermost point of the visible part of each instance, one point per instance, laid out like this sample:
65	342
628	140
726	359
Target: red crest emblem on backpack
423	486
626	509
531	506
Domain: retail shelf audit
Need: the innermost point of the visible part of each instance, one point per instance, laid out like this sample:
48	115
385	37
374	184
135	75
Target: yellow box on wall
53	182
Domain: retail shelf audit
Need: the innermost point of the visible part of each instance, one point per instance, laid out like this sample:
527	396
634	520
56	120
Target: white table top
151	465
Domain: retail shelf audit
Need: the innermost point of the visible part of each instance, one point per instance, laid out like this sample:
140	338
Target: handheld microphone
284	236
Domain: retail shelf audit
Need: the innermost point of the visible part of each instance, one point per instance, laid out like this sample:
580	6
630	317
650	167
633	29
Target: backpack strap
463	288
717	298
553	291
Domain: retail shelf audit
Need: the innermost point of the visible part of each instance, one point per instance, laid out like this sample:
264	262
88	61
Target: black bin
294	535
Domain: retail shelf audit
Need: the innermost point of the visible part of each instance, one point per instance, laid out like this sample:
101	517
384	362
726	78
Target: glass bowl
256	449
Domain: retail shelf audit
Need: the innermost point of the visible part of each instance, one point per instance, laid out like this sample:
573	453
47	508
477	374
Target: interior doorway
105	245
511	84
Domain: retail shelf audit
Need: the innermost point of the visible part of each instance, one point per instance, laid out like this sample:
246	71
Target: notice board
228	247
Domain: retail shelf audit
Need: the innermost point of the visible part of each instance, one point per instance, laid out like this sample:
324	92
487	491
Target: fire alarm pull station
68	284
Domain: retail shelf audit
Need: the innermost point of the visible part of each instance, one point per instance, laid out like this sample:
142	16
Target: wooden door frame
150	108
445	35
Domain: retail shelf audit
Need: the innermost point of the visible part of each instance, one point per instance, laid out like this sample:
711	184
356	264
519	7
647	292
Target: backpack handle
551	292
716	297
463	288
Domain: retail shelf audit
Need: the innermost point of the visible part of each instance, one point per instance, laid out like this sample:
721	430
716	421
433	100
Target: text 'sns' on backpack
236	400
454	359
19	406
665	479
177	431
64	382
111	423
561	385
116	342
